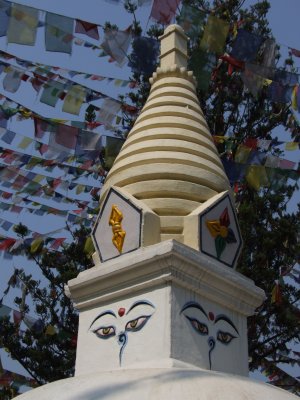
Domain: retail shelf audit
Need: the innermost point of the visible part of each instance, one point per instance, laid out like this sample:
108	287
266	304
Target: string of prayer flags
143	59
214	35
23	24
4	16
246	45
191	20
116	44
74	99
279	378
46	69
87	28
163	11
56	39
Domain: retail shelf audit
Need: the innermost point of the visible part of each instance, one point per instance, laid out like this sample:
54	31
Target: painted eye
105	332
199	327
225	337
137	324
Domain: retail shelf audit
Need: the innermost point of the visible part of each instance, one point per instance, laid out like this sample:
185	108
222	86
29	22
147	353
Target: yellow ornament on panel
119	234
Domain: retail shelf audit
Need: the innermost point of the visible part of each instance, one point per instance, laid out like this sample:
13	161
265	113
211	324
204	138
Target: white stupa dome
173	383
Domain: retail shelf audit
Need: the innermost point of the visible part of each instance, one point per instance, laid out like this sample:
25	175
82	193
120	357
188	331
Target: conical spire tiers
169	160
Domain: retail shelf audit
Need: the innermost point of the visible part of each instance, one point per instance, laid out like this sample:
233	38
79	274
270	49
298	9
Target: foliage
47	349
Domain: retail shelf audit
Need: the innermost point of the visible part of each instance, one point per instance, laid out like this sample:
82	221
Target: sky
284	22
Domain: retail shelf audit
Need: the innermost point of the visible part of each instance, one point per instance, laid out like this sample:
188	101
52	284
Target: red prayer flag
41	127
17	317
295	52
66	136
251	142
7	243
87	28
163	11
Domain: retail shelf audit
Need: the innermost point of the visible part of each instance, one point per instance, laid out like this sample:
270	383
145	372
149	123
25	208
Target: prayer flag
256	176
269	53
246	45
4	16
58	33
17	315
108	111
242	154
66	136
88	143
22	25
116	44
6	244
215	34
4	310
74	99
8	137
279	93
12	80
291	146
50	330
295	52
51	93
163	11
202	64
191	20
25	142
87	28
42	127
285	77
112	148
253	82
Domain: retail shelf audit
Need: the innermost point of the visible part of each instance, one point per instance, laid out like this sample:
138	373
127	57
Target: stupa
163	313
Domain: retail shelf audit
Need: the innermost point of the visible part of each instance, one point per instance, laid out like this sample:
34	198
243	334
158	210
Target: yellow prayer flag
79	189
38	178
294	98
74	99
25	142
215	34
256	176
22	25
36	245
291	146
242	154
50	330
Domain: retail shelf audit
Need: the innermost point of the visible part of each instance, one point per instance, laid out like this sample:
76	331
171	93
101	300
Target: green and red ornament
222	233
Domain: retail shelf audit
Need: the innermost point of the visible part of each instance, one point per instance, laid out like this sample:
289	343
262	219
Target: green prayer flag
191	20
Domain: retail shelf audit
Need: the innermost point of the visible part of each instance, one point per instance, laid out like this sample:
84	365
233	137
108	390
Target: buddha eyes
136	324
225	337
202	329
105	332
199	327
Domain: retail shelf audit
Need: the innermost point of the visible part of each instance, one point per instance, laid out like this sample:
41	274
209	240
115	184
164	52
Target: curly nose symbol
211	344
122	341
